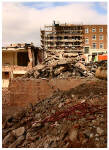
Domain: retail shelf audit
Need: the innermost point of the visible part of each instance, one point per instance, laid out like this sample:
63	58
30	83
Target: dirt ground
76	117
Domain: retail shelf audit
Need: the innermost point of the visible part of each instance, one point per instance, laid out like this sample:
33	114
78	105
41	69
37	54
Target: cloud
22	23
103	5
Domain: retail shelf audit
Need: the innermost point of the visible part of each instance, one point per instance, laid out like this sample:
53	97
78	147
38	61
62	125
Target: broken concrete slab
18	132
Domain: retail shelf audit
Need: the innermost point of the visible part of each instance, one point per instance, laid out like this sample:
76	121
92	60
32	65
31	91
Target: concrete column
16	58
33	57
30	57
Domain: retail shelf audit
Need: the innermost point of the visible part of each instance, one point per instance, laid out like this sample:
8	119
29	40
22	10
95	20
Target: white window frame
100	38
86	40
93	29
102	45
101	29
95	44
94	38
86	30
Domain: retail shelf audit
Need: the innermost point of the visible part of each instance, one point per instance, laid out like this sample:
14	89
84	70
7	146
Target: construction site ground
73	116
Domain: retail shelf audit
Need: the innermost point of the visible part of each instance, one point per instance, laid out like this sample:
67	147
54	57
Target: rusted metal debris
80	110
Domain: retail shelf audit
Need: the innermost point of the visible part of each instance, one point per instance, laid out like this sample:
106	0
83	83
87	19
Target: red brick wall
97	33
25	91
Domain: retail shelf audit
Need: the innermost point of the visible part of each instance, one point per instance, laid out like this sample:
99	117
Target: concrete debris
6	139
73	134
60	105
99	131
67	119
18	132
18	141
61	69
62	64
80	65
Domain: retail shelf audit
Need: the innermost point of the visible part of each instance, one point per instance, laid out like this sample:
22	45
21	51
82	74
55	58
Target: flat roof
5	50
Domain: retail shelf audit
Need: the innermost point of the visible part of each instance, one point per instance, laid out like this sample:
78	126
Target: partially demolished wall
25	91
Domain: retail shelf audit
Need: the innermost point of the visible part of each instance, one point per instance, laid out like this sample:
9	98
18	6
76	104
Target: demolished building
59	42
63	36
17	59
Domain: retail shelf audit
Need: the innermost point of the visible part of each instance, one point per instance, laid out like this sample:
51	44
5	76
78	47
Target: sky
22	21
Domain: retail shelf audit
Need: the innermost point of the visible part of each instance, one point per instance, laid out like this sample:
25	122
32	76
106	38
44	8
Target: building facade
90	40
95	43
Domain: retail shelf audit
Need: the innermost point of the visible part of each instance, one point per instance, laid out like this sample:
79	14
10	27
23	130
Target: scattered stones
37	115
17	142
96	135
36	124
87	133
96	139
99	130
60	105
32	145
73	95
80	65
62	120
91	135
6	139
53	111
18	132
28	136
73	134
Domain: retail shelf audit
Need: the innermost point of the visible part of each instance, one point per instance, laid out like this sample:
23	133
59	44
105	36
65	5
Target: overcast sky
21	22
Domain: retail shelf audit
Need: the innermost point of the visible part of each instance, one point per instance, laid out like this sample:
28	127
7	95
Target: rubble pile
60	65
68	119
53	56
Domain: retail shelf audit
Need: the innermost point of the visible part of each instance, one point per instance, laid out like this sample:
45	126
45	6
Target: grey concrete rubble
68	65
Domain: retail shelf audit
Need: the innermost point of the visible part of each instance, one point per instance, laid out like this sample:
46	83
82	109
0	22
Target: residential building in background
95	41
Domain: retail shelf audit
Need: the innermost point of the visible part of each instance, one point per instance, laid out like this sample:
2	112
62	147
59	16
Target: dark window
94	45
86	50
22	59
